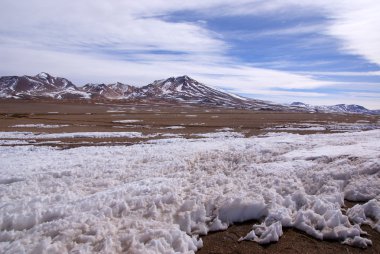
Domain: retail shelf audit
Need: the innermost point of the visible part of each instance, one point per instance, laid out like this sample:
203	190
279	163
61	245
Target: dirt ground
85	116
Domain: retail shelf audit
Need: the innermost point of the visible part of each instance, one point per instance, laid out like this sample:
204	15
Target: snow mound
368	213
162	196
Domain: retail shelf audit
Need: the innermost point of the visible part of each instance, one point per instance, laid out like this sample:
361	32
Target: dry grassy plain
156	121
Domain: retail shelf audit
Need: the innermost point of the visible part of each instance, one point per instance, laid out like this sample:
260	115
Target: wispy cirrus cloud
342	73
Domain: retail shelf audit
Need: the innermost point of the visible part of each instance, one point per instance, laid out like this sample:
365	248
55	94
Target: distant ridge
338	108
42	85
180	90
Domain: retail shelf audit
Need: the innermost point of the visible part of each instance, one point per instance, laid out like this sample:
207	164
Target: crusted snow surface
159	197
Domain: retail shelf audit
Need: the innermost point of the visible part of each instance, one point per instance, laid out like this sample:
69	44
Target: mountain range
182	90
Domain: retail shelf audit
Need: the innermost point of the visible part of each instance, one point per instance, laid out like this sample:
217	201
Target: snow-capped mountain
339	108
42	85
184	89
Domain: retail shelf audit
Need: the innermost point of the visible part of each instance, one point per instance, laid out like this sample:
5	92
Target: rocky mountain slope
116	91
42	85
184	89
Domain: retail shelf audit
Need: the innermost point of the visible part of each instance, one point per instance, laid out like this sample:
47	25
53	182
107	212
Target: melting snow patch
329	126
39	125
159	197
173	127
225	129
127	121
115	111
224	134
300	127
32	135
171	135
14	142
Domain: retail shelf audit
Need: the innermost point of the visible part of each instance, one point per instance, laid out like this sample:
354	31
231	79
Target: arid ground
161	121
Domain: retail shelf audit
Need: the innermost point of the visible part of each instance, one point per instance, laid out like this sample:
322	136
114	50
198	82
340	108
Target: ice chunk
265	234
368	213
239	210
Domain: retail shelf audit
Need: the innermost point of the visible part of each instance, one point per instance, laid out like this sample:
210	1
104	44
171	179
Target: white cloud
343	73
91	24
137	25
101	69
357	25
108	41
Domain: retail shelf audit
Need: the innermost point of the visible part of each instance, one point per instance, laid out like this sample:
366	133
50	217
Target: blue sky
319	52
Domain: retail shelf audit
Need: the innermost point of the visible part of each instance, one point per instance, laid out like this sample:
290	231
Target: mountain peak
43	75
184	77
298	104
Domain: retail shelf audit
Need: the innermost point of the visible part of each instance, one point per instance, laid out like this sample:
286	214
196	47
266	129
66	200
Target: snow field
159	197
